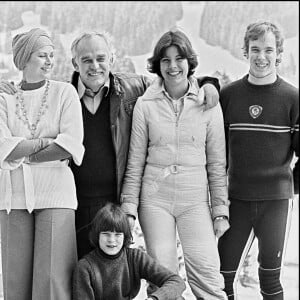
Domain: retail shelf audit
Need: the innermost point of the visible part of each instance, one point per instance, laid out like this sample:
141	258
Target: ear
112	60
75	65
278	59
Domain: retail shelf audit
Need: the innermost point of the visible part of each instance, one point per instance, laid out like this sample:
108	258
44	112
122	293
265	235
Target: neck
32	85
177	91
268	79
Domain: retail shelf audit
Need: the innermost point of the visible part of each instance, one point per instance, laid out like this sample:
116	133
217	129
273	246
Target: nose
111	238
261	55
94	65
48	60
173	63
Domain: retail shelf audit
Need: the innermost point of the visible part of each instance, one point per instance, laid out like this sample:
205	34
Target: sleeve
216	163
50	153
7	141
136	161
207	79
170	285
70	136
295	143
82	283
223	103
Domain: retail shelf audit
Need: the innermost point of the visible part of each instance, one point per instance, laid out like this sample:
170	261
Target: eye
164	60
180	58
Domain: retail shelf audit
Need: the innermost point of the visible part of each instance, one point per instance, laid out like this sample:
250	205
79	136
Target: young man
261	115
107	101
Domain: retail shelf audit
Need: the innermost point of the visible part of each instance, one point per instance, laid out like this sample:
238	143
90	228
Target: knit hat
24	44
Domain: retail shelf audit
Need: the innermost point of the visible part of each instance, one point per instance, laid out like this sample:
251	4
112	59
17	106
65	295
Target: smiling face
39	65
174	68
93	61
262	56
111	242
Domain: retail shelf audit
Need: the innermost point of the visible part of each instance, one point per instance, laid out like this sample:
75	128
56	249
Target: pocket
151	182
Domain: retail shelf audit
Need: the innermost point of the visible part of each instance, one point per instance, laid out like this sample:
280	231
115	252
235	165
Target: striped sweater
262	133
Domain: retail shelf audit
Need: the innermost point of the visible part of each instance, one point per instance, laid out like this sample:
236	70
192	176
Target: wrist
221	218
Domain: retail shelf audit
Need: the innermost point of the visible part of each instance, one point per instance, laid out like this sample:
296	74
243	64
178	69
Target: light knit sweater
49	184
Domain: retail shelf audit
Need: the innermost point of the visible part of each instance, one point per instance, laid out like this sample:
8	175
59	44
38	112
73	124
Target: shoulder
138	256
289	89
87	262
62	85
232	86
130	82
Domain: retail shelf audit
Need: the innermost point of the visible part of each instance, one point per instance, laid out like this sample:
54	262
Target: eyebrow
98	56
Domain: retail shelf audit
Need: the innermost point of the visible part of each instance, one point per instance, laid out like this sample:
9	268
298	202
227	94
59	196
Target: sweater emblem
255	111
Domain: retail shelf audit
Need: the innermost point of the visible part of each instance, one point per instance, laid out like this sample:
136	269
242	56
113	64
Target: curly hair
181	41
110	218
256	30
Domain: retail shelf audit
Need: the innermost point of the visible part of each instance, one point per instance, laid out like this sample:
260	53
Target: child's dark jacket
102	277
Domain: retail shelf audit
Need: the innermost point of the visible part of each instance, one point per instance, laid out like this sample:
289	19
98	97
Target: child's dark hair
110	218
173	38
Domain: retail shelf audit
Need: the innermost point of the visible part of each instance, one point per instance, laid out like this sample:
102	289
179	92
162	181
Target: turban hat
26	43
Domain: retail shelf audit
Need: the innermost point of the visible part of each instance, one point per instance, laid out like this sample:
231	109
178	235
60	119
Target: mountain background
216	30
136	25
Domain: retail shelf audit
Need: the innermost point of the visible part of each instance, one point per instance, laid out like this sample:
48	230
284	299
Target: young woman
40	128
113	270
176	161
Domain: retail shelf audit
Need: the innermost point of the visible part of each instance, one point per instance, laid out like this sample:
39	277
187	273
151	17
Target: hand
220	227
211	96
131	221
45	142
7	87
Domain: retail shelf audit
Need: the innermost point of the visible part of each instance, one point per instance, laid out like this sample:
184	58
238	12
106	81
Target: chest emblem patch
255	111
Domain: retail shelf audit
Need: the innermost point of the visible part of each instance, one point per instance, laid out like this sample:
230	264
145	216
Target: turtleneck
103	254
27	86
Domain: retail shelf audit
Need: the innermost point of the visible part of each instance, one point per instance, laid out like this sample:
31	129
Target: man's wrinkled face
93	61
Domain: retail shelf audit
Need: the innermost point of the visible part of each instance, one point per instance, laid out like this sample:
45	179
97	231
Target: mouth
95	74
261	65
174	73
47	69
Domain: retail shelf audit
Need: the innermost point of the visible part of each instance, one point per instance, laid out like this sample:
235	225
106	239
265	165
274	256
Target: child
113	270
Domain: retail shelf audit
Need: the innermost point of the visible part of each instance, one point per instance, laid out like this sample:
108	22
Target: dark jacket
125	88
99	276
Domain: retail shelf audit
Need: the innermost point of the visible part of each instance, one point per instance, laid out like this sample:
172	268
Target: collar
157	88
82	87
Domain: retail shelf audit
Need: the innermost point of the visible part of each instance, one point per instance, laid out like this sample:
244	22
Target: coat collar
157	90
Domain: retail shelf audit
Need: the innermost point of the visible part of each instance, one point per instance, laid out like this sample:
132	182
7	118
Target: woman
40	129
176	161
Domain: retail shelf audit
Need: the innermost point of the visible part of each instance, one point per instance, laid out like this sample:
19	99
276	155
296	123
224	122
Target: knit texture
100	277
262	128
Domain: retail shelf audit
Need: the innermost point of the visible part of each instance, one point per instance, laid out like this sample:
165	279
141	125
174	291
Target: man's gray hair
103	34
